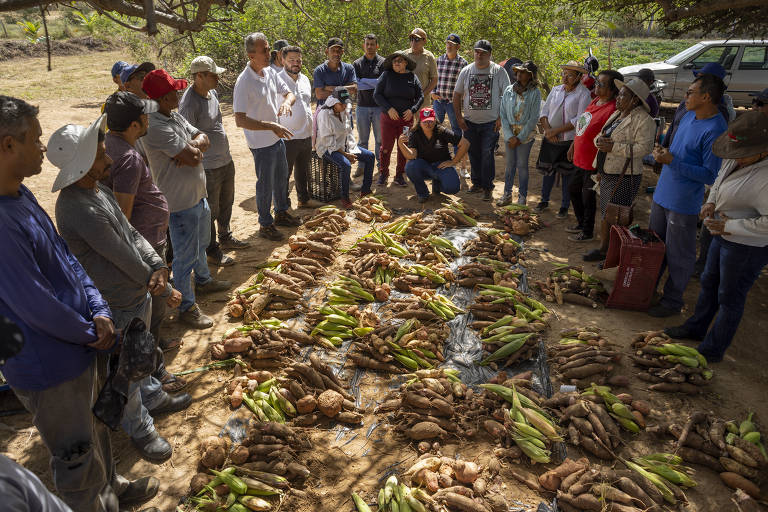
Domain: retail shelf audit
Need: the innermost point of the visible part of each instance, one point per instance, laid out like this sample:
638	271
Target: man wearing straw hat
736	213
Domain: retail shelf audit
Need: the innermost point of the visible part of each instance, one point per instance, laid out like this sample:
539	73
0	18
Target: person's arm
378	93
404	143
706	173
367	84
163	139
186	108
642	135
126	174
506	117
458	98
419	95
432	76
248	123
462	150
532	109
125	202
322	91
39	306
325	141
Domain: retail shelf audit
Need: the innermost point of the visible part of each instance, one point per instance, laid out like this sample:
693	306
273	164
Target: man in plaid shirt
448	66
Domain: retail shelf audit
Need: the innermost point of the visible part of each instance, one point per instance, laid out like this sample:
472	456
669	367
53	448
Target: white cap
205	63
72	148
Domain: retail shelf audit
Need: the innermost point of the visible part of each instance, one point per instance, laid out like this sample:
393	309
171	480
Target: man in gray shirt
200	106
122	264
175	149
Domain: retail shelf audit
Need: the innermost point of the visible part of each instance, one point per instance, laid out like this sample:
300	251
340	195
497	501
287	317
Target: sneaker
195	318
270	233
152	448
139	491
233	243
581	237
172	403
382	179
355	186
659	311
488	195
475	189
212	286
504	200
286	219
594	255
562	213
467	175
541	206
422	199
346	204
681	332
574	229
399	180
220	259
358	172
521	201
311	203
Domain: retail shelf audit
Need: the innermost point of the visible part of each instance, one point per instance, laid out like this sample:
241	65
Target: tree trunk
47	37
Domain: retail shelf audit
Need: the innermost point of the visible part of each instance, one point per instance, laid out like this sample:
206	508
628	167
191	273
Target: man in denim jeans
449	65
478	91
174	150
256	104
368	68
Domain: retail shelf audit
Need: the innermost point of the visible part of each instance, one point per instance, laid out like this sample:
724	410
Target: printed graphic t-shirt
588	125
482	90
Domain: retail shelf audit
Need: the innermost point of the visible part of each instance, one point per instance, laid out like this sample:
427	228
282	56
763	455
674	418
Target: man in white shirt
298	149
256	105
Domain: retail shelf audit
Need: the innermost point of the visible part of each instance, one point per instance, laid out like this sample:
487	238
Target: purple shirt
130	175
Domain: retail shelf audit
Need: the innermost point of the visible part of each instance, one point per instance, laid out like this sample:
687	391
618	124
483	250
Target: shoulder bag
620	214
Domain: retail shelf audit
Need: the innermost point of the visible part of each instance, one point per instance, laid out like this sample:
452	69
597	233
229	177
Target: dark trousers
730	272
298	153
705	239
678	231
584	199
366	158
220	184
482	139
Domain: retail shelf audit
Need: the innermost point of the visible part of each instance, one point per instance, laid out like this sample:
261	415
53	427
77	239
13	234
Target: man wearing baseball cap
333	72
760	101
175	149
117	68
133	77
478	92
426	64
200	106
449	65
65	321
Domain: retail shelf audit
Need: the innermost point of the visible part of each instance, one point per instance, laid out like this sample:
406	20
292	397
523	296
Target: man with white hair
260	96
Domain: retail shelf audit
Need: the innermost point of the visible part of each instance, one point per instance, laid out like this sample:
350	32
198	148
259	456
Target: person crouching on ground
336	143
426	149
736	213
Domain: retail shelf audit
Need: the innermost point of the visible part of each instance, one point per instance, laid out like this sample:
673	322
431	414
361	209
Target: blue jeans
482	139
419	170
368	117
271	181
730	272
516	160
190	236
678	231
365	157
143	394
441	109
548	182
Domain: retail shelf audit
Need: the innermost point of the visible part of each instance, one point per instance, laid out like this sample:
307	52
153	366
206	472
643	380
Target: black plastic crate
324	180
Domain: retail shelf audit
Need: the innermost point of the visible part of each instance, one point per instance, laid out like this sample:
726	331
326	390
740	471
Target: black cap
342	94
483	44
335	41
123	108
646	75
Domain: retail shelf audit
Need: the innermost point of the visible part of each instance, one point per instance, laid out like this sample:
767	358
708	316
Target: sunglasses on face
758	103
689	92
414	38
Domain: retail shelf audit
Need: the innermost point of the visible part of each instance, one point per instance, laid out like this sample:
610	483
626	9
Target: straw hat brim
727	147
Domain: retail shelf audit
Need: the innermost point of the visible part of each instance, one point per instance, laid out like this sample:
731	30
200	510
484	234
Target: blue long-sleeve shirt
681	185
46	292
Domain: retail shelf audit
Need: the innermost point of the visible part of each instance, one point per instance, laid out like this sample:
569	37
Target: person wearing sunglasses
426	64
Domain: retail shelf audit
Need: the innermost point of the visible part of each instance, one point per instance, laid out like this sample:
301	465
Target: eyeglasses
414	38
691	91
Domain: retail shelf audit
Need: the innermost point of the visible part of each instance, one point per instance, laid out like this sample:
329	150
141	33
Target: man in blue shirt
66	324
333	73
689	164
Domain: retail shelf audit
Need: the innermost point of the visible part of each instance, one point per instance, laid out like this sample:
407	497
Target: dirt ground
356	460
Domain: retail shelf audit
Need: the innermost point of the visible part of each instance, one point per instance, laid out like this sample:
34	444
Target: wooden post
47	37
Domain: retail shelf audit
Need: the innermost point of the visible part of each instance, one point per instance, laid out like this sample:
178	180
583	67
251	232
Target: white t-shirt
259	97
482	90
300	121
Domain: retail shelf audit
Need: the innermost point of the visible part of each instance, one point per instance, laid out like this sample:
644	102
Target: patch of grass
625	52
75	77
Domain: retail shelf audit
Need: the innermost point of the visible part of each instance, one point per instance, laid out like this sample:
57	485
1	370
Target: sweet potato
306	404
634	490
199	481
456	501
621	381
751	450
425	430
239	454
734	466
595	448
696	457
330	403
741	456
587	370
641	406
351	417
735	481
236	398
466	472
582	502
675	387
717	433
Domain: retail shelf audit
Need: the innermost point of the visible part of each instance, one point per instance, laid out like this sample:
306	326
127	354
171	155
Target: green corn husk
504	352
655	479
360	504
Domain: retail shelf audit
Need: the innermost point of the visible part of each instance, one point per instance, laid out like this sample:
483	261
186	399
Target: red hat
427	114
159	82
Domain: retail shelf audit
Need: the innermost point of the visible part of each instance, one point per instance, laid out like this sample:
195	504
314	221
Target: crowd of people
145	197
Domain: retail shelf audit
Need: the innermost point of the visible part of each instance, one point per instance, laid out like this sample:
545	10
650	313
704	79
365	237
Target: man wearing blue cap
448	66
133	75
117	68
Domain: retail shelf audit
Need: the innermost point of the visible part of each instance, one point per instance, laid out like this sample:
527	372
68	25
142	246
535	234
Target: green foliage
88	21
31	30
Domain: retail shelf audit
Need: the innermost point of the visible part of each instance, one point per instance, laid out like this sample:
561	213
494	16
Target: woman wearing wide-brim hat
564	104
625	138
399	94
736	213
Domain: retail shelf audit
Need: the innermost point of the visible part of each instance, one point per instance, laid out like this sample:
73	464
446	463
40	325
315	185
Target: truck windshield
683	55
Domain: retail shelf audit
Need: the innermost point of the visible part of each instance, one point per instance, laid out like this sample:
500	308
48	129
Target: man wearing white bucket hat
65	323
122	264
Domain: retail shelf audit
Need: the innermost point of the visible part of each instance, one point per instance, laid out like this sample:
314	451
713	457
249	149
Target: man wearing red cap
175	149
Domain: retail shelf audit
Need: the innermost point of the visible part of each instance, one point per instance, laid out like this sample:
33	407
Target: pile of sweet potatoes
492	243
669	367
518	219
583	357
265	348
